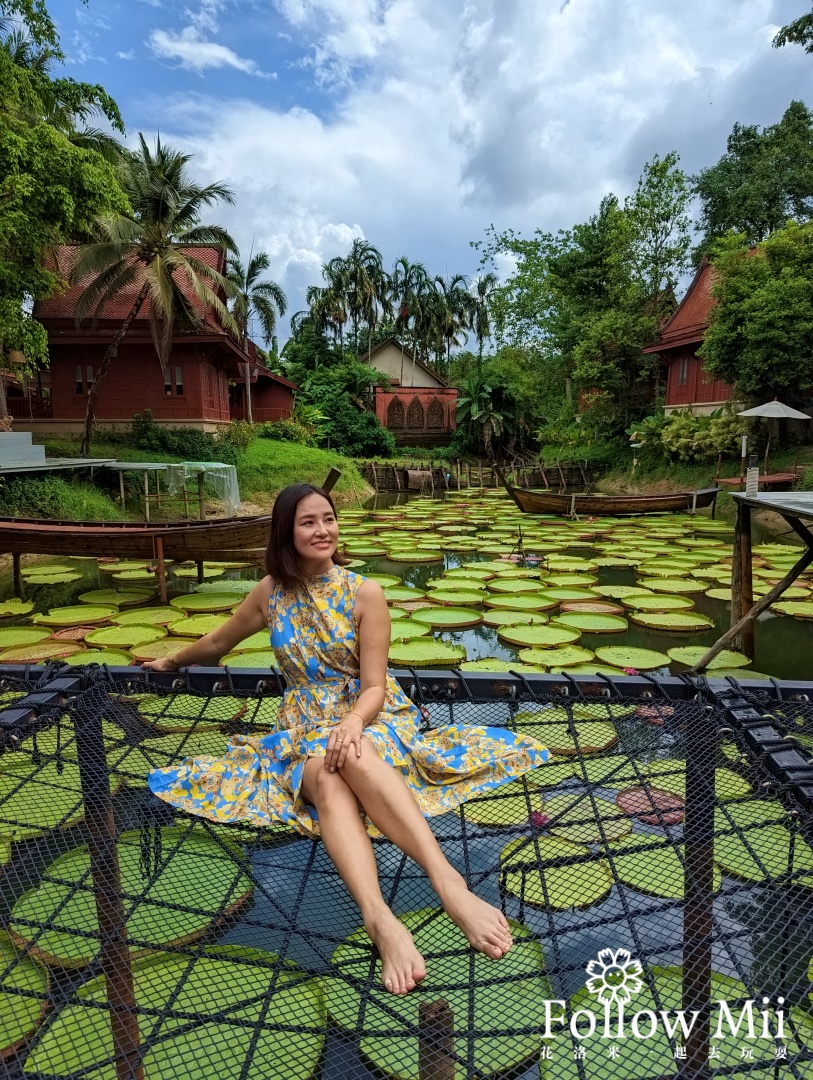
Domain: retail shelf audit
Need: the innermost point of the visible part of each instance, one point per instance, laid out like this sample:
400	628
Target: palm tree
452	313
263	300
482	294
408	283
151	249
363	274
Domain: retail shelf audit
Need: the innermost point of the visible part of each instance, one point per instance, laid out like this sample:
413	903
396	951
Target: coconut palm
253	298
151	249
364	286
408	283
451	313
483	289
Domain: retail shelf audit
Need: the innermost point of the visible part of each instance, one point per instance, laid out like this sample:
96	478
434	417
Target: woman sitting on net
347	753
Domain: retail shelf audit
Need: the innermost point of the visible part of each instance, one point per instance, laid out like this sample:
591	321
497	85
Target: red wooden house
688	385
203	385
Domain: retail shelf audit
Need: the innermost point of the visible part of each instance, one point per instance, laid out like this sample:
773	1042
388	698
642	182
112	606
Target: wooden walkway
781	481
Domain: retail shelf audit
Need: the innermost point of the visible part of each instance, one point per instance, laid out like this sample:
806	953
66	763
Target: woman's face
316	530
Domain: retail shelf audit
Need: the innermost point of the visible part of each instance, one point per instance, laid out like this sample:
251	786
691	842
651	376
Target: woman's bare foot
485	926
402	966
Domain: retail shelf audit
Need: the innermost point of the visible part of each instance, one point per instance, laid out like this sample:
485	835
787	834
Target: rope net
657	876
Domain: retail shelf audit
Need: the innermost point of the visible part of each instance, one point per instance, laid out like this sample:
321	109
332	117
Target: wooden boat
550	502
186	540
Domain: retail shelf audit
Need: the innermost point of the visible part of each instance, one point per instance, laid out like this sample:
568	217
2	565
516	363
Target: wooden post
146	495
435	1041
161	569
201	496
480	468
375	477
717	470
396	472
158	488
736	570
544	477
468	474
199	565
121	485
747	581
458	475
185	494
561	476
18	577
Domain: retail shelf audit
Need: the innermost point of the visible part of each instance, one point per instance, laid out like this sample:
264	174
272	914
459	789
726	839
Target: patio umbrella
774	410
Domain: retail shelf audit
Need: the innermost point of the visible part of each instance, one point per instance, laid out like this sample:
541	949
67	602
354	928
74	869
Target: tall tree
483	289
364	285
764	179
151	249
798	32
660	227
450	314
408	283
254	298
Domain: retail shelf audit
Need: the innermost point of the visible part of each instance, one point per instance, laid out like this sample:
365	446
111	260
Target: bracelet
354	712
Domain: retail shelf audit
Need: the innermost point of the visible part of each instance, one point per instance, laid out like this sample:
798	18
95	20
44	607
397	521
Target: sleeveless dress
315	642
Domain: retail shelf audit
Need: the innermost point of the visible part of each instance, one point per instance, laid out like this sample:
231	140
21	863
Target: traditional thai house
688	385
420	408
202	386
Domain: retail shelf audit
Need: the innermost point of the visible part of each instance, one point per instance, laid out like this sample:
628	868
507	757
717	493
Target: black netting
661	861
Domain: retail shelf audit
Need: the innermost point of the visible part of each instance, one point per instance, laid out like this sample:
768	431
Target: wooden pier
431	477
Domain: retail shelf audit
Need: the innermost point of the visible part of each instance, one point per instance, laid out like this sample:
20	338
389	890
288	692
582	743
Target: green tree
254	298
483	289
486	414
151	248
764	179
365	286
798	32
408	286
761	333
659	227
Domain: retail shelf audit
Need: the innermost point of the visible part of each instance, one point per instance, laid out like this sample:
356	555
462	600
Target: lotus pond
471	582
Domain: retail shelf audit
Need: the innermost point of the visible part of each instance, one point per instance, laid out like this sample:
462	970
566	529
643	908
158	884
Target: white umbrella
775	408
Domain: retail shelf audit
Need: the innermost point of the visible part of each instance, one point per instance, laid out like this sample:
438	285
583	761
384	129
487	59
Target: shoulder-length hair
281	558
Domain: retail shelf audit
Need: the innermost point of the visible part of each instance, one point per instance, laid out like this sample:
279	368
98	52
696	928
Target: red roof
690	320
63	305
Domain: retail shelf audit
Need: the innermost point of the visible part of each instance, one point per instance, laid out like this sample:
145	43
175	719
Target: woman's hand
165	663
345	734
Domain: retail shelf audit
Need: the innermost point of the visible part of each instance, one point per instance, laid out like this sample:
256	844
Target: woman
347	755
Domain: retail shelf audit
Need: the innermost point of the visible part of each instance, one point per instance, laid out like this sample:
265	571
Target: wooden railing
30	408
259	415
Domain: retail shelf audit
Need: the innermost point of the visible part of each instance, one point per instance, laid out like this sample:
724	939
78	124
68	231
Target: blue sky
416	123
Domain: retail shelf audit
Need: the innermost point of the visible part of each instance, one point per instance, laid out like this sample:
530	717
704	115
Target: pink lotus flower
539	820
630	671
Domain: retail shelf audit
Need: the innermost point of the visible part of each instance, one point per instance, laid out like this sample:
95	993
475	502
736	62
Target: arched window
415	418
434	414
395	413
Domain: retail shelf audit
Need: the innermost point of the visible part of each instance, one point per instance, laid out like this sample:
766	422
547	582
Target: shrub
287	431
686	437
187	443
357	434
54	498
238	434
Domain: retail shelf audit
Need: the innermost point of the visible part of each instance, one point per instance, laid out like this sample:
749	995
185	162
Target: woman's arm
250	617
373	621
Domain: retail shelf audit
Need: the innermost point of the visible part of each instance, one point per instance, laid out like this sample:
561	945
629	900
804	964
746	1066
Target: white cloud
445	117
129	55
194	50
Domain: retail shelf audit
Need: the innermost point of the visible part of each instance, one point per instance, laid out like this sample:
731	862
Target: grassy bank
55	498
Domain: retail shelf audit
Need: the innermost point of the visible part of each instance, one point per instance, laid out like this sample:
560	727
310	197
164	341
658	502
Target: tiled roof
690	320
63	306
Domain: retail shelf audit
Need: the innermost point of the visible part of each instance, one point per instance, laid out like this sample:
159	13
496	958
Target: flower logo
614	976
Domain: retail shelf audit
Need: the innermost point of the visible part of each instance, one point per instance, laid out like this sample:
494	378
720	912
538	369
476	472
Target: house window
83	385
173	380
683	371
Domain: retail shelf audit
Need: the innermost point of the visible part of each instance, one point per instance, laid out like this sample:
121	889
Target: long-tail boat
551	502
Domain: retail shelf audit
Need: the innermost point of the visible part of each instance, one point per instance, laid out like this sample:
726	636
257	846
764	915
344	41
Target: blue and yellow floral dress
315	642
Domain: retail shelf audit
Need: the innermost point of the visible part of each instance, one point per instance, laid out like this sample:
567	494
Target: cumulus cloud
435	119
194	50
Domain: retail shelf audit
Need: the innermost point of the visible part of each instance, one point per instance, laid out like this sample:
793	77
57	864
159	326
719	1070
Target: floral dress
315	642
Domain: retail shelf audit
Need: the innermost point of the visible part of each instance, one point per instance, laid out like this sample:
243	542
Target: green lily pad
111	657
425	653
615	771
741	674
232	585
683	622
527	874
54	917
114	597
571	581
198	625
669	774
180	712
53	579
407	629
157	650
447	618
674	585
590	669
39	651
13	606
619	592
365	551
469	584
415	556
135	576
509	804
589	623
147	616
757	826
655	602
498	1009
402	592
258	658
207	601
124	637
76	615
492	663
123	565
23	989
456	596
231	981
655	868
799	609
551	775
134	763
538	637
34	799
551	727
719	594
583	820
525	602
514	586
565	656
191	573
690	654
385	579
11	636
495	617
626	656
560	593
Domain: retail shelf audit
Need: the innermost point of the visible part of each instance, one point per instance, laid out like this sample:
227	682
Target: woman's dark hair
281	559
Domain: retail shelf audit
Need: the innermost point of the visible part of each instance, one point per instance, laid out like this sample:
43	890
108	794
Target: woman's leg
392	807
349	847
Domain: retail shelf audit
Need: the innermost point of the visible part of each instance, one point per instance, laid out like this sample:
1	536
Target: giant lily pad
498	1010
461	597
207	601
513	586
564	656
180	712
13	636
78	614
23	987
650	806
592	607
509	804
527	873
492	663
425	653
233	585
402	592
147	616
669	774
656	602
799	609
683	622
115	597
495	617
124	637
157	650
198	625
590	623
751	842
13	606
583	819
111	657
55	917
53	579
690	654
447	618
407	629
34	799
256	658
539	637
39	651
654	867
552	728
525	602
229	1008
134	763
620	592
415	556
674	585
625	656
